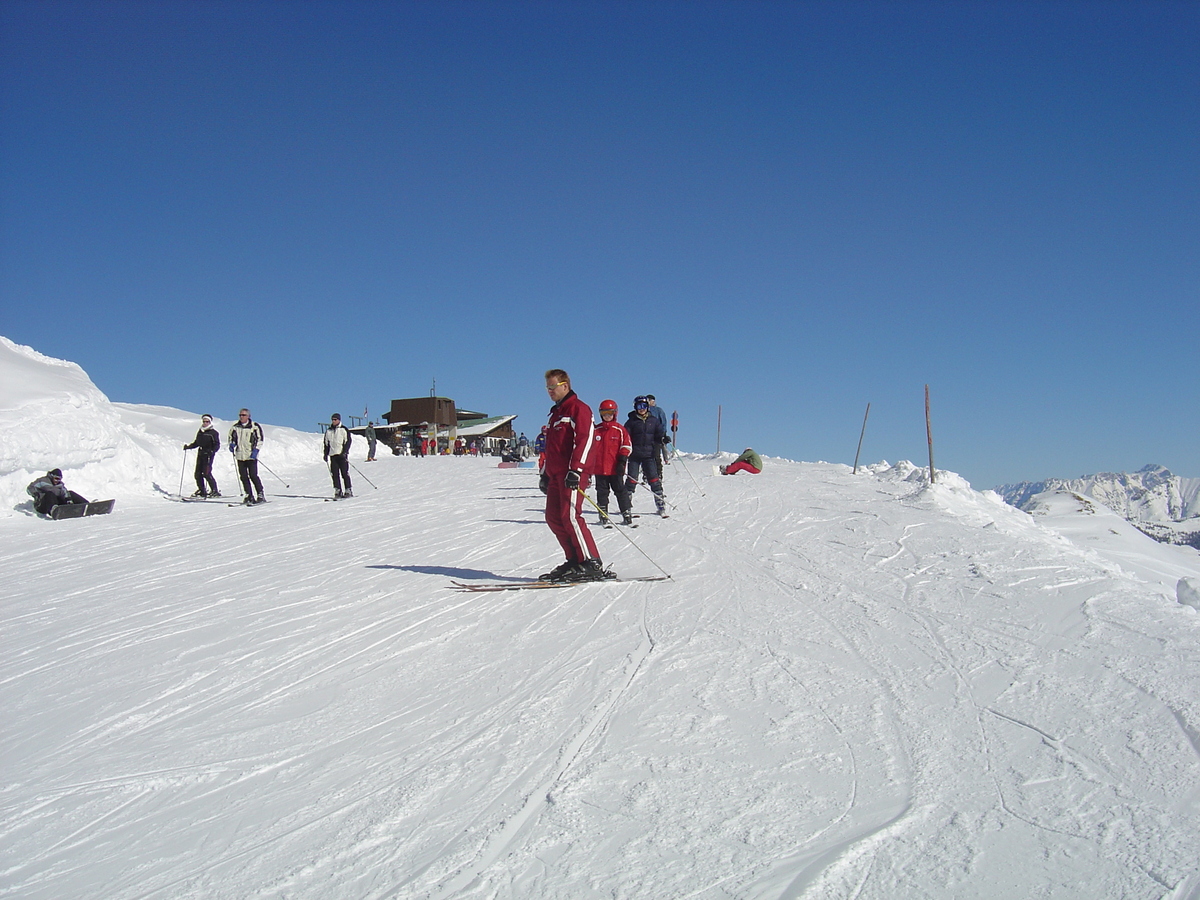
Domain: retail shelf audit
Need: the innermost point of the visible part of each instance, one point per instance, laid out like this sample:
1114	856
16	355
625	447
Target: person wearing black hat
337	455
372	438
48	491
646	435
206	445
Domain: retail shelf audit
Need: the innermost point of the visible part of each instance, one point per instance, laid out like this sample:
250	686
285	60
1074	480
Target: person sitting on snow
749	461
48	491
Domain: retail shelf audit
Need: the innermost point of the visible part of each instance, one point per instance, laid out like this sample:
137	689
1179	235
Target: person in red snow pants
749	461
568	443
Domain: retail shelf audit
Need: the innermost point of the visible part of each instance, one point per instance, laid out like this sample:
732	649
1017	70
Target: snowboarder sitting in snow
48	491
749	461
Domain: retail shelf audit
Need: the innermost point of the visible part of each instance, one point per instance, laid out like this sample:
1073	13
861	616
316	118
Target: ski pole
627	537
363	477
268	468
183	472
690	475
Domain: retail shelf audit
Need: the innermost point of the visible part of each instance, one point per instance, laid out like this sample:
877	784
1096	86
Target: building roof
481	427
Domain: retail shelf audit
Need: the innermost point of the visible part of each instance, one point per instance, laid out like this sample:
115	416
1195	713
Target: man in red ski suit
610	455
568	443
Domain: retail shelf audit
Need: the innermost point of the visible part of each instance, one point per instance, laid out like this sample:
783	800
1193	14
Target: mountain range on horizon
1157	502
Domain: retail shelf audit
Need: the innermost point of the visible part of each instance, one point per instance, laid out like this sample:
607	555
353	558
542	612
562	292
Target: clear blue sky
785	209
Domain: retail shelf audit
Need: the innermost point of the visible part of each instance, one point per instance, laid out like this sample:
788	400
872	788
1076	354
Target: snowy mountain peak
1154	499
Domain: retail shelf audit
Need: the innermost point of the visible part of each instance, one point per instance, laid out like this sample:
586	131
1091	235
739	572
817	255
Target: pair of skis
221	499
538	585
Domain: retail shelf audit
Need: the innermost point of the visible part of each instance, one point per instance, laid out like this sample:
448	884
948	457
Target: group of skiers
244	440
618	456
572	449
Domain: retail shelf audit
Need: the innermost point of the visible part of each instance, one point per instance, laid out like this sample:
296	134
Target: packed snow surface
852	686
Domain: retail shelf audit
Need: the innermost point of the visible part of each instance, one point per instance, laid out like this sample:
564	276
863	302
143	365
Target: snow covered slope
859	686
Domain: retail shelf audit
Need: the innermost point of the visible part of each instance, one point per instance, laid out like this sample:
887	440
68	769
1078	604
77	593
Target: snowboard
75	510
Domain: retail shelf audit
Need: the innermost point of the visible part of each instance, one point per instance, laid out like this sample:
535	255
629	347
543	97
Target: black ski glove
572	480
543	483
621	464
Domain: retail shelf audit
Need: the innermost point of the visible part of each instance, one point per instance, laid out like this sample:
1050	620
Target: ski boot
591	570
562	572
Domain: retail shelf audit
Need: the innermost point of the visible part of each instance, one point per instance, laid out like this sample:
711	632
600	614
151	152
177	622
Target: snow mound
1187	591
53	416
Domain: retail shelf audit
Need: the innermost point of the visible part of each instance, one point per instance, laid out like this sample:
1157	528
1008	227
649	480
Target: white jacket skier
337	454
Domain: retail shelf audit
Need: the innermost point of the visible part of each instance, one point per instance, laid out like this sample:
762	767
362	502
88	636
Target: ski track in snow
853	687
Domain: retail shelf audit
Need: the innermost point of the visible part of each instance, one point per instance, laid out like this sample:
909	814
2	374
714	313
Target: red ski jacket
611	441
569	440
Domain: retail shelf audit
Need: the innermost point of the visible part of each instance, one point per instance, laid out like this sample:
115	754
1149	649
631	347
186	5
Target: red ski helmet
608	406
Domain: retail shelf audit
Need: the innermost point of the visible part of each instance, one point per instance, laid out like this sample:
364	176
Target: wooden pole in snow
860	438
929	436
718	427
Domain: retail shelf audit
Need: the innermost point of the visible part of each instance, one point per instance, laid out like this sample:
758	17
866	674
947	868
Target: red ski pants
564	515
736	467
